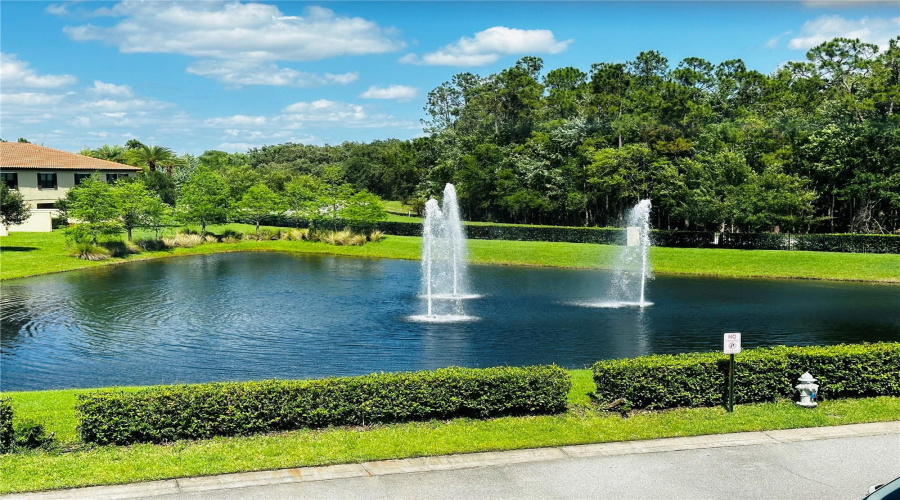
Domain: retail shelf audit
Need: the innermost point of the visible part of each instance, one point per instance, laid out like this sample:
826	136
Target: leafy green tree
132	200
363	207
161	184
259	202
303	195
203	199
13	209
158	214
94	205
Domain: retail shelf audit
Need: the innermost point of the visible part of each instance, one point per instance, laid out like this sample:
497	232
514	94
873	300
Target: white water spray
632	269
444	261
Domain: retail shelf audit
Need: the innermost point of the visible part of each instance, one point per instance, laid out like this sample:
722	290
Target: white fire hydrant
808	389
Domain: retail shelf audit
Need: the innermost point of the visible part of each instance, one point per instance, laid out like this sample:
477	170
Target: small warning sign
732	343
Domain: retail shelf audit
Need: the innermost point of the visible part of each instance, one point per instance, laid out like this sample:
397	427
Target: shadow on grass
16	249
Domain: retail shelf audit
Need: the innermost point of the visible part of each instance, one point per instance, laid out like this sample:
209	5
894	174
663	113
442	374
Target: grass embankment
76	464
29	254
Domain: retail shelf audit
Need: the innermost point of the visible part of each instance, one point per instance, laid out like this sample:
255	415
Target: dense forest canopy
814	146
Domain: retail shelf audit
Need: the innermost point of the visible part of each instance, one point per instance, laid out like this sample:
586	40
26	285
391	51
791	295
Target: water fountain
444	262
632	269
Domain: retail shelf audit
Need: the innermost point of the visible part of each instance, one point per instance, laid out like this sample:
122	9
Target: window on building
47	181
46	205
112	178
79	178
11	179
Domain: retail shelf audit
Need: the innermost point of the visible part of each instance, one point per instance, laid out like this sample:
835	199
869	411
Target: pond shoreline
48	254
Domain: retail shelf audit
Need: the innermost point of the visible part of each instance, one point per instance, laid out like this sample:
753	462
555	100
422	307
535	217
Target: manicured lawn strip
48	253
112	465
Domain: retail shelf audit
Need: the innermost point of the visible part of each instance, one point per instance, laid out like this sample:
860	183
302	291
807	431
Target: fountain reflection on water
632	270
444	262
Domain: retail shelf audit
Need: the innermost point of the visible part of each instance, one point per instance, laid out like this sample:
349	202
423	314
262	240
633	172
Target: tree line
203	197
812	147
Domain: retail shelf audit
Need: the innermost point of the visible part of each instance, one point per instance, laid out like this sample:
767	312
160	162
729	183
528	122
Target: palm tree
151	156
114	153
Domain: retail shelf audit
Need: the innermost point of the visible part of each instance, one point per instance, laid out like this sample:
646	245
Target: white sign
732	343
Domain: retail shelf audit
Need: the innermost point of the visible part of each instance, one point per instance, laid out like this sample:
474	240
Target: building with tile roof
44	175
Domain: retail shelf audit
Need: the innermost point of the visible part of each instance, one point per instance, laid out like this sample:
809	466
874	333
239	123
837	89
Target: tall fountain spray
456	239
632	270
629	286
444	261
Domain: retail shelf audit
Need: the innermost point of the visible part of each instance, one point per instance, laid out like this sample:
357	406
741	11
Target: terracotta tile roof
32	156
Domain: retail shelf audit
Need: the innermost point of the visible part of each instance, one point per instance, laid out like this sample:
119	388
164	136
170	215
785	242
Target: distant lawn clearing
29	254
76	464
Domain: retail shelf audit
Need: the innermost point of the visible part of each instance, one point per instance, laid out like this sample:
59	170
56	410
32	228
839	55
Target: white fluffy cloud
30	99
237	73
868	29
398	92
240	43
489	45
234	30
111	89
16	74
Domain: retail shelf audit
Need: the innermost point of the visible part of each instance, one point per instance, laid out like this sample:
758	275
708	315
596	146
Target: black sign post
732	346
731	383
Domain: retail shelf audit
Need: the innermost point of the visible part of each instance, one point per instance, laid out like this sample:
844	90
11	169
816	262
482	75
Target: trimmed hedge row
169	413
762	374
856	243
6	425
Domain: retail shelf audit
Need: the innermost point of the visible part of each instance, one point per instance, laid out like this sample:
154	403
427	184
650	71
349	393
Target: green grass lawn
75	464
28	254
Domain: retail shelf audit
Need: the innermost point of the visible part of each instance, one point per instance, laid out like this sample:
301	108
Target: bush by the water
169	413
151	245
183	240
6	425
762	374
87	251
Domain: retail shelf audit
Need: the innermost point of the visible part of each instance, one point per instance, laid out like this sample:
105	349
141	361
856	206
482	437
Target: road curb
459	462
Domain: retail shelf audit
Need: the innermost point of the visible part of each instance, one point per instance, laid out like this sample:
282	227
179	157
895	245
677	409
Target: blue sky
232	75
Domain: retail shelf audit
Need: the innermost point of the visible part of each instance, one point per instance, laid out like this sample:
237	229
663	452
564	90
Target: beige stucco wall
65	180
39	222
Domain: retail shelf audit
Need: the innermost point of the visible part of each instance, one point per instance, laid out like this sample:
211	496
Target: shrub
87	251
120	248
762	374
151	245
265	234
230	236
376	236
295	235
168	413
186	230
210	239
183	240
6	425
29	435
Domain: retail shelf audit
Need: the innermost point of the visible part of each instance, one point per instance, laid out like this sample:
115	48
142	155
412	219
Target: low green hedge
763	374
6	425
169	413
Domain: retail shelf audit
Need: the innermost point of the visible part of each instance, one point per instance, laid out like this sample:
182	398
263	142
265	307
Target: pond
257	316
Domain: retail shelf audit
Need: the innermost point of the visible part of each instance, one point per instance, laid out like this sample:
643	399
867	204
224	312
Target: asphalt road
826	469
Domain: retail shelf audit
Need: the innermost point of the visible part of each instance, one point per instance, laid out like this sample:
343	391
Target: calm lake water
256	316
